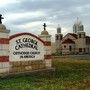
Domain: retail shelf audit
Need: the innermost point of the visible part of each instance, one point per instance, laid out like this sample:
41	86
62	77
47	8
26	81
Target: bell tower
58	39
78	28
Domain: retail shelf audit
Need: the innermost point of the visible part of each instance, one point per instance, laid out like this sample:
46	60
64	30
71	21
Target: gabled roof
87	40
70	35
68	41
74	35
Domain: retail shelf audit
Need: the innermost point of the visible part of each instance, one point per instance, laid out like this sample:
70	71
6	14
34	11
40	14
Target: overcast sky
29	15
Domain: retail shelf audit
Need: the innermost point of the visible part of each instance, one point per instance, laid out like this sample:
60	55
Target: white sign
25	48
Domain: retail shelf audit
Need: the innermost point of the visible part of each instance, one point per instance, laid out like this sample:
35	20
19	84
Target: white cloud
29	25
18	16
6	2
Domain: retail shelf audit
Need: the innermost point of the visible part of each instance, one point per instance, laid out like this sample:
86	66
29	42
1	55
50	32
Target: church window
81	28
80	49
57	37
79	35
61	37
70	48
64	46
75	29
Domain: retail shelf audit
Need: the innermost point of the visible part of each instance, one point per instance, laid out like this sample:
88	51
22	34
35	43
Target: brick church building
73	43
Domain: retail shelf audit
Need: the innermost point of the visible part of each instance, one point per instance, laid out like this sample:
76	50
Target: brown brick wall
21	66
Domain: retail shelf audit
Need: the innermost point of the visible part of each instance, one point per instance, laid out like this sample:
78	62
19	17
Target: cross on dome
45	26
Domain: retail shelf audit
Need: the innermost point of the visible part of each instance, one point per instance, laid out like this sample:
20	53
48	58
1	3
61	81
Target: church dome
78	26
78	22
44	32
2	27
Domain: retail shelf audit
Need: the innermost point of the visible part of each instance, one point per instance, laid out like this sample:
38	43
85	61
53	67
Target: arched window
57	37
74	29
81	28
70	48
61	37
80	49
79	35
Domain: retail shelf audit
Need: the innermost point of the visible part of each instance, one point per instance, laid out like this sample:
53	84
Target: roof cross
45	26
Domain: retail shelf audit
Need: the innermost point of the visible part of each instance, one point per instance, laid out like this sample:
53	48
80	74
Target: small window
70	48
56	37
79	35
80	49
61	37
64	46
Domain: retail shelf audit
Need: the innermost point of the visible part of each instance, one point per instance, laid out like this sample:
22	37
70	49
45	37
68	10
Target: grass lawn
70	74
